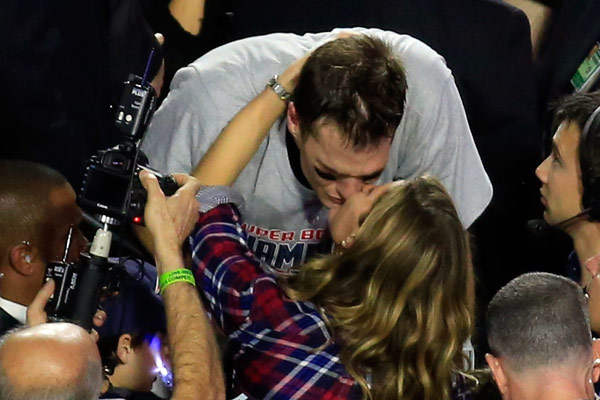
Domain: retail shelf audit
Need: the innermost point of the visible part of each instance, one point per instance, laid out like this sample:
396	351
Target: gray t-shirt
284	219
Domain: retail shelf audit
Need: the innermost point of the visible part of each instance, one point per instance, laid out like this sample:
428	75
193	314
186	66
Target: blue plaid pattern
281	348
277	342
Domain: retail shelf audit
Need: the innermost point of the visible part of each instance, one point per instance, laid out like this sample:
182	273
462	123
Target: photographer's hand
182	208
158	220
36	315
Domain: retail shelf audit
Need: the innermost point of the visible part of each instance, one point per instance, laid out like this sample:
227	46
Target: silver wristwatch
279	89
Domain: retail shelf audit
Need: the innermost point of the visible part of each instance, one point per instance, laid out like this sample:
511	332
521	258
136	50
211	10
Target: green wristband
178	275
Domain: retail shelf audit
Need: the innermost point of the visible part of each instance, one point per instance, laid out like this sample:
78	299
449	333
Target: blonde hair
400	301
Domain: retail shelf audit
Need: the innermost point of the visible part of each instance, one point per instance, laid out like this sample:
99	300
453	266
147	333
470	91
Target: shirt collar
15	310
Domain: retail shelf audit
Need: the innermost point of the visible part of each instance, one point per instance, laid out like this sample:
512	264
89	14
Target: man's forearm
196	363
197	369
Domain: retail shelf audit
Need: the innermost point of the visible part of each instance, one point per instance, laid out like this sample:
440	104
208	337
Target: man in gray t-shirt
363	113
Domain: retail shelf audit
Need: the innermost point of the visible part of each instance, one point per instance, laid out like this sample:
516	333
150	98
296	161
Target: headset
589	163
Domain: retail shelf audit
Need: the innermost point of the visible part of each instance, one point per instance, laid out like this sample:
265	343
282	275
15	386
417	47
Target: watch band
279	89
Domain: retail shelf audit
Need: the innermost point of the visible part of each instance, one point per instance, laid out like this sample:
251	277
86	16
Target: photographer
27	374
37	213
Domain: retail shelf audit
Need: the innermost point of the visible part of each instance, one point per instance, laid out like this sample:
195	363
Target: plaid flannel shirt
277	342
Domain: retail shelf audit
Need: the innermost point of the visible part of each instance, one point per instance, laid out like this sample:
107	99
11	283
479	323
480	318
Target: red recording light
137	220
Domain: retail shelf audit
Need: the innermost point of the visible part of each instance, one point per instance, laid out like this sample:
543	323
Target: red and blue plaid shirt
277	343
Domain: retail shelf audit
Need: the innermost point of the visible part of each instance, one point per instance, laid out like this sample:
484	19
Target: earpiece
589	150
28	258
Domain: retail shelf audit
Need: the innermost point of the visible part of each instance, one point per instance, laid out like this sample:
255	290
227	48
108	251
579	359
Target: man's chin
556	221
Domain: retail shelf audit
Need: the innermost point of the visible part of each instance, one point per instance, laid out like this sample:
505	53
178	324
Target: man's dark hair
537	320
578	109
107	346
358	84
575	108
25	189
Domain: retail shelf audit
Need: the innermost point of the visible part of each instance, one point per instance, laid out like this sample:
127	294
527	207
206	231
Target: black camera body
78	286
65	276
111	189
136	108
113	194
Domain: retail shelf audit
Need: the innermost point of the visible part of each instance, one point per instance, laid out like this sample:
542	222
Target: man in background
539	336
38	211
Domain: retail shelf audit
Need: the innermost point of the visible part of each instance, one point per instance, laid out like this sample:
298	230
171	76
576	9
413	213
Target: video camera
78	284
112	192
111	189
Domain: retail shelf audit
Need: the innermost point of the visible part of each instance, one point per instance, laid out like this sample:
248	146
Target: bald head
55	360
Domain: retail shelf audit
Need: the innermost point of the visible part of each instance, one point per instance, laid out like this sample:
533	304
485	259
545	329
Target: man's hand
173	217
183	206
170	220
36	313
345	220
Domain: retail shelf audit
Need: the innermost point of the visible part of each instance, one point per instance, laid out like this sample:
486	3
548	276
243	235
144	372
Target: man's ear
498	372
293	121
596	366
124	347
23	258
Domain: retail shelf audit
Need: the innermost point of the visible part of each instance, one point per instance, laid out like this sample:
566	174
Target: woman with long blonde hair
384	319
